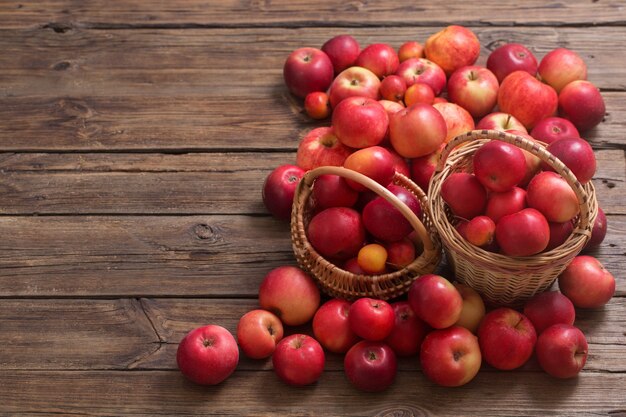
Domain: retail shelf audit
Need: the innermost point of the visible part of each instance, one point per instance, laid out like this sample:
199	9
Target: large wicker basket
340	283
505	280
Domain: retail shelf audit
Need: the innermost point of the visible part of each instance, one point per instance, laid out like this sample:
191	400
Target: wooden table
134	140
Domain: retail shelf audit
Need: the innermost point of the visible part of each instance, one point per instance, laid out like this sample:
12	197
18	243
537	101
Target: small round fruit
337	232
587	283
371	319
562	350
480	231
372	258
258	332
499	166
279	188
317	105
576	154
419	93
298	360
370	366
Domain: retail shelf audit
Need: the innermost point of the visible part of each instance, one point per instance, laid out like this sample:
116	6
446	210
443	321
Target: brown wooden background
134	140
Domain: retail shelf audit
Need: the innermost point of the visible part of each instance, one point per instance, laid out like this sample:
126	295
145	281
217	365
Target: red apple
423	168
587	283
417	130
298	360
360	122
458	120
549	193
371	319
258	331
474	88
307	70
533	163
207	355
559	232
332	328
419	93
317	105
507	338
279	188
421	70
582	103
450	357
577	155
499	166
473	309
321	147
511	57
507	202
527	98
387	223
500	121
336	233
552	128
524	233
548	308
562	350
379	58
342	51
410	49
291	294
370	366
400	165
374	162
391	107
333	191
408	331
435	300
392	88
598	231
560	67
480	231
400	253
464	194
452	48
354	81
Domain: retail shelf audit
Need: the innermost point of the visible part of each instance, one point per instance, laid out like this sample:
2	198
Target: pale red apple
473	309
410	49
258	332
458	120
354	81
560	67
435	300
321	147
549	193
500	121
474	88
360	122
527	98
422	70
587	283
417	130
452	48
317	105
374	162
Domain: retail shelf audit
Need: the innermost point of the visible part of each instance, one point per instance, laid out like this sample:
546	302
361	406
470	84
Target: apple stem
371	356
457	356
270	329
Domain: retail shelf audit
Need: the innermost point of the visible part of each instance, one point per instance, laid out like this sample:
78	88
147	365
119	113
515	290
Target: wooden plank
298	13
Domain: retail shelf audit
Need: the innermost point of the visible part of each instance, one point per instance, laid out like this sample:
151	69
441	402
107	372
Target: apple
332	328
391	107
549	193
333	191
474	88
458	120
354	81
461	227
423	168
533	163
352	266
464	194
336	233
419	93
524	233
342	51
552	128
598	231
290	293
587	283
473	309
576	154
527	98
480	231
307	70
380	58
506	338
582	103
560	67
372	258
374	162
511	57
392	88
408	330
321	147
400	253
317	105
548	308
435	300
387	223
279	188
499	166
562	350
410	49
360	122
559	232
258	331
371	319
370	366
417	130
440	99
400	164
450	357
452	48
507	202
421	70
207	355
298	360
500	121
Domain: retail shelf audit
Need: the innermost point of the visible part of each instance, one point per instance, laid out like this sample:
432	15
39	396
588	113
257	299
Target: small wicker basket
505	280
340	283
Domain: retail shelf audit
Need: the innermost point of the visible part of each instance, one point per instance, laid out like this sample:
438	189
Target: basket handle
535	148
364	180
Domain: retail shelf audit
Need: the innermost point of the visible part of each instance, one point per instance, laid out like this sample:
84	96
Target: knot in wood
76	108
206	232
61	66
402	411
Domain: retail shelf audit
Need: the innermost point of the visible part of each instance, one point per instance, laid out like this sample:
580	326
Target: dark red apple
548	308
279	188
408	331
393	88
337	232
387	223
370	366
598	232
562	350
524	233
499	166
582	103
333	191
552	128
331	326
307	70
380	58
559	232
342	50
511	57
577	155
465	195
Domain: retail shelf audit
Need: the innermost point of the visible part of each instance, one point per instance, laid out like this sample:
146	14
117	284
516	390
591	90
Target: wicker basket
340	283
505	280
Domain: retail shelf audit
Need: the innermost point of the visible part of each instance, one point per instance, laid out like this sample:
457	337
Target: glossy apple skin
331	326
527	98
548	308
354	81
524	233
465	195
342	50
371	319
473	309
458	120
400	164
380	58
560	67
419	93
392	88
317	105
298	360
307	70
333	191
582	104
258	332
321	147
423	168
400	253
435	300
499	166
279	188
289	293
450	357
577	155
421	70
374	162
370	366
452	48
207	355
500	121
562	350
417	130
480	231
511	57
598	231
549	193
387	223
587	283
507	202
360	122
337	232
372	258
507	338
474	88
553	128
533	163
408	330
410	49
559	232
